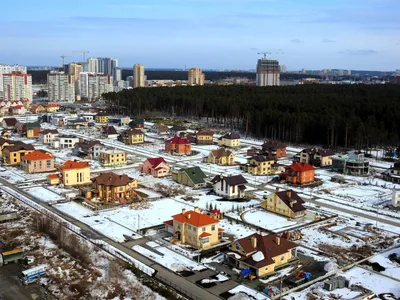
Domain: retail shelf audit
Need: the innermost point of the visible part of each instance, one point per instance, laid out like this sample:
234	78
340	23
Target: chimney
188	216
277	190
289	193
183	211
196	209
254	242
278	240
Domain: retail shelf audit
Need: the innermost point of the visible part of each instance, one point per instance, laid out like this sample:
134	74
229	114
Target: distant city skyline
207	34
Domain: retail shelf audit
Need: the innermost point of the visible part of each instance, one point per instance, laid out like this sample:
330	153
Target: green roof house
193	177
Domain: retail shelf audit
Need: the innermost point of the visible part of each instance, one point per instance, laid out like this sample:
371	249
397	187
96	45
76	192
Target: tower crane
63	57
264	53
83	52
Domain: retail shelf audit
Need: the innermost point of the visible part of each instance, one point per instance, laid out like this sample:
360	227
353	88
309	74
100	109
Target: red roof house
178	145
157	167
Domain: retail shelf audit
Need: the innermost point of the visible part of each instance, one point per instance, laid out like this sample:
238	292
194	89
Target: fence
177	288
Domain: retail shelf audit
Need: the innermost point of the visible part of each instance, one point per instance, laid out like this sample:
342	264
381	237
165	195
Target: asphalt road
163	274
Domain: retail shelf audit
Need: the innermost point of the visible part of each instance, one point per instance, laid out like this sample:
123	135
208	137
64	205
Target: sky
209	34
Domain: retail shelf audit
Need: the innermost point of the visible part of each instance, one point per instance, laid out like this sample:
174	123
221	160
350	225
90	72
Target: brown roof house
222	157
111	188
261	254
159	129
204	137
9	123
230	139
13	154
229	187
88	149
109	132
274	148
286	203
317	157
132	137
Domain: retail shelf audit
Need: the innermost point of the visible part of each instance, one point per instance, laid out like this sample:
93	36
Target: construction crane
84	54
63	57
264	53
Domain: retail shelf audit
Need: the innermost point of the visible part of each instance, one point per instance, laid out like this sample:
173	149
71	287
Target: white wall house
229	187
396	198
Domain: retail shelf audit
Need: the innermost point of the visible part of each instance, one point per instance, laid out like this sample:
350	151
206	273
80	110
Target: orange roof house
300	173
75	173
37	161
195	228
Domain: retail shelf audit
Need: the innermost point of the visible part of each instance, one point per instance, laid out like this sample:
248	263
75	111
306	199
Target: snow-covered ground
392	268
267	220
169	259
248	291
43	194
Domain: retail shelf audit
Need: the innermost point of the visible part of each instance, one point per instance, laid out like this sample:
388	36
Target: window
205	240
121	188
213	227
189	227
282	258
203	229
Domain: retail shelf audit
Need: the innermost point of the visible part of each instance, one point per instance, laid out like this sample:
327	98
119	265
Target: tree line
358	116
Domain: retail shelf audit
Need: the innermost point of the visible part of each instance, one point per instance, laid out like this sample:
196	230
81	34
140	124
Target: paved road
174	280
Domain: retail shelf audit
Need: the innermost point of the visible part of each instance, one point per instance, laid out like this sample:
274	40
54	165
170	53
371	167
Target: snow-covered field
169	259
43	194
248	291
267	220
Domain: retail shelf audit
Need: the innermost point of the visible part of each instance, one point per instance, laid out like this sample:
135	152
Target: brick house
38	161
299	173
157	167
274	148
178	146
194	228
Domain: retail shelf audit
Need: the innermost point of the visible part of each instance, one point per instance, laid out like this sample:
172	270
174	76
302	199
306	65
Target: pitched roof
300	167
32	125
177	140
230	180
74	164
195	174
156	161
53	176
131	131
221	152
112	179
230	136
46	131
194	218
10	121
161	127
38	155
177	128
17	107
136	121
318	151
205	132
205	234
109	130
291	196
267	245
53	105
273	145
102	114
88	144
261	158
18	147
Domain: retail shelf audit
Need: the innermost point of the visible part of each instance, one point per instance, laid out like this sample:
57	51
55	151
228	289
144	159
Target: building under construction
268	72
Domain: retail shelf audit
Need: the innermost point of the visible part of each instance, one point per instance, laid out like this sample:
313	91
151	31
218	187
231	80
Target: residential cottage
260	165
193	177
108	132
75	172
48	135
230	139
177	130
112	158
229	187
13	154
36	109
222	157
88	149
393	173
110	188
64	142
194	228
131	137
286	203
159	129
157	167
274	148
317	157
9	123
137	123
178	146
38	161
299	173
204	137
29	130
262	254
52	107
102	117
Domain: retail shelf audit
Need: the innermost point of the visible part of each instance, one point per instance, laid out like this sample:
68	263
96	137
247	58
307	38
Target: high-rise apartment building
61	87
94	85
16	86
7	69
93	65
267	72
138	76
283	68
75	70
195	77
